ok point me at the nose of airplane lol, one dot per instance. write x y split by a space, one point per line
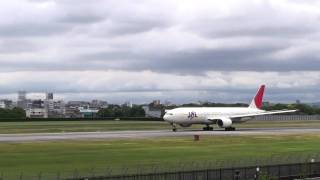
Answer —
166 117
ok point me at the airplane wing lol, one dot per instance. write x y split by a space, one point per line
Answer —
262 113
215 119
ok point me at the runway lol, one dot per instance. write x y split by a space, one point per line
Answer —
149 134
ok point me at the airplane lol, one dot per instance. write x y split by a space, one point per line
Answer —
224 117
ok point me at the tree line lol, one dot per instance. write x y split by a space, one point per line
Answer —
14 113
138 111
302 108
121 111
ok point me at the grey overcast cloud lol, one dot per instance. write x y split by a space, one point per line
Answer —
175 50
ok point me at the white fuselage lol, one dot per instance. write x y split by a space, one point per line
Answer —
202 115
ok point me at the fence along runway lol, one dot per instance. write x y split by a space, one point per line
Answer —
149 134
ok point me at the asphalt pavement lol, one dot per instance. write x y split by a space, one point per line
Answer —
149 134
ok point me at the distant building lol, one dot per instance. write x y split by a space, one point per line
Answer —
36 113
38 103
72 112
49 95
88 113
54 108
35 109
153 109
22 99
6 104
84 109
72 108
152 112
156 102
59 106
79 104
51 108
98 104
22 95
128 104
2 105
49 105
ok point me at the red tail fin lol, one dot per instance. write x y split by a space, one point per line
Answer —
257 100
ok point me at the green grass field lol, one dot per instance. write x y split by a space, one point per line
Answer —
78 126
165 153
95 156
92 126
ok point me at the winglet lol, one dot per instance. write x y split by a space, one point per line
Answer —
257 100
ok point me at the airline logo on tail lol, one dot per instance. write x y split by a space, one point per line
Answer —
257 100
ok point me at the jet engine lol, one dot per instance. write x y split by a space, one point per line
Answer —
224 122
185 125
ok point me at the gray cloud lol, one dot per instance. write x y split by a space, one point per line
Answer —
195 62
131 27
32 29
202 60
163 38
279 31
214 86
9 46
81 18
263 19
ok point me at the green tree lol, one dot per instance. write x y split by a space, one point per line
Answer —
122 111
137 111
106 112
305 109
14 113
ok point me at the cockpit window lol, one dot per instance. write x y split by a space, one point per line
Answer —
170 114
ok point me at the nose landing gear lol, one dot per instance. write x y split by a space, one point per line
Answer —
174 127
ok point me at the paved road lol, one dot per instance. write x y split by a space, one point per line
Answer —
149 134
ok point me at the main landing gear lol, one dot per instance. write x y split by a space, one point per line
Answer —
230 129
208 128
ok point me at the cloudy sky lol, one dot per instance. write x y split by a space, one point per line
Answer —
175 50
